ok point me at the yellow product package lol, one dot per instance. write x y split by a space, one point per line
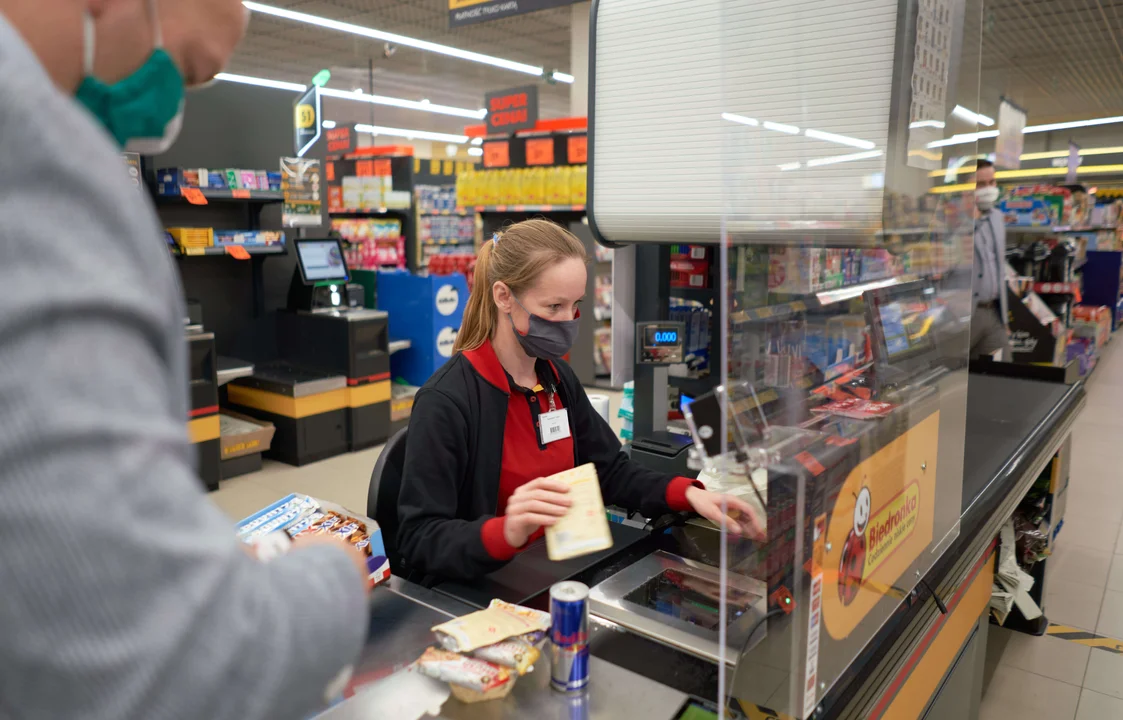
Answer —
487 627
584 529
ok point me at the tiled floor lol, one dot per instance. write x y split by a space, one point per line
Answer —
1052 679
1041 678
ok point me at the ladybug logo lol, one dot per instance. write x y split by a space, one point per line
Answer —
853 563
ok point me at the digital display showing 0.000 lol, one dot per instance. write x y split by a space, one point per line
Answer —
661 336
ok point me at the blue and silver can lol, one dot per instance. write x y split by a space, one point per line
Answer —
569 636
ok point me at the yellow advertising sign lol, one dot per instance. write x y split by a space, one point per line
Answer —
305 116
457 4
881 523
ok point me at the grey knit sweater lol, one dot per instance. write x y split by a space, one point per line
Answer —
123 593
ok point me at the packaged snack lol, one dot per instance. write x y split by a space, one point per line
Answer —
466 695
457 670
584 528
487 627
516 654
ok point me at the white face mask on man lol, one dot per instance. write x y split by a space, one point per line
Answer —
986 197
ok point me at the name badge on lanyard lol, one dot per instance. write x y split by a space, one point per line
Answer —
553 425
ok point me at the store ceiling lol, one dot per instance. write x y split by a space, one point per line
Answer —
285 50
1059 59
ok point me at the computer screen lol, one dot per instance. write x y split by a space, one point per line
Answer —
902 321
321 261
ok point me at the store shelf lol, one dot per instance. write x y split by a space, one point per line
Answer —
773 312
460 212
246 196
529 208
369 212
1051 230
702 295
464 241
221 250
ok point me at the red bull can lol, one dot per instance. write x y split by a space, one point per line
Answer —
569 636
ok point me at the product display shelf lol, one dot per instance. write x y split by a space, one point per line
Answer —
370 212
248 196
527 208
461 212
702 295
223 250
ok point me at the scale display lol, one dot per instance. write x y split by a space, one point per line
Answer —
659 343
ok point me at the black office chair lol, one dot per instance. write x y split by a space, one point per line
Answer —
382 498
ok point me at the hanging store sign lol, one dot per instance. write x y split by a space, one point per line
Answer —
1073 162
1011 136
469 12
340 140
301 186
306 121
511 110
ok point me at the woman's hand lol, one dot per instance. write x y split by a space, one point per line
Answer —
539 503
740 517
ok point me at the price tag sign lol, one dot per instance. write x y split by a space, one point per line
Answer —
540 151
577 149
237 252
241 194
194 196
382 168
497 154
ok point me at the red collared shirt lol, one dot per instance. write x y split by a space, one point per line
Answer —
525 458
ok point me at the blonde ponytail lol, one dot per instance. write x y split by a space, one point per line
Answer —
515 257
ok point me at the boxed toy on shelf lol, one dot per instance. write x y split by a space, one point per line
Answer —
1037 206
171 181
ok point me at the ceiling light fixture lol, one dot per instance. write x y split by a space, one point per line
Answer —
328 124
961 138
408 104
740 119
478 141
261 82
475 151
411 134
971 116
401 40
840 139
562 77
927 123
1074 124
818 162
790 166
781 127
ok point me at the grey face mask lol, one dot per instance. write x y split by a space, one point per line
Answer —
546 339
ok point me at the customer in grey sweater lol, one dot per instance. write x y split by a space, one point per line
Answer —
123 593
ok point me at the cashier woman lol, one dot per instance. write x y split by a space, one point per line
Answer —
123 592
506 412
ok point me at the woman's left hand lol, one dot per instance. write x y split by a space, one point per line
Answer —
740 518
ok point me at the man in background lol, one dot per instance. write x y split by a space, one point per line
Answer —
989 318
125 594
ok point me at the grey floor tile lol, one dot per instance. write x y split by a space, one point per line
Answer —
1105 673
1074 604
1115 575
242 496
1087 532
1048 656
1015 693
1073 563
1094 706
1110 622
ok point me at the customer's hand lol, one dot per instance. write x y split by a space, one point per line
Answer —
740 518
354 554
539 503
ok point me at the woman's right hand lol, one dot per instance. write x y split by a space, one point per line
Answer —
539 503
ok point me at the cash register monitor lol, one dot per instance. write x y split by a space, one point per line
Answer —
902 329
321 261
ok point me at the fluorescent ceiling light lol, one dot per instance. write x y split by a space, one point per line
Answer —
408 104
780 127
790 166
412 134
817 162
475 151
927 123
1074 124
477 141
401 40
832 296
971 116
562 77
740 119
261 82
328 124
840 139
961 138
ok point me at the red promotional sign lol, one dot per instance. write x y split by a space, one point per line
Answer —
340 140
497 154
540 151
511 110
577 149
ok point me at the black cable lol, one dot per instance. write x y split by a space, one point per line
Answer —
774 612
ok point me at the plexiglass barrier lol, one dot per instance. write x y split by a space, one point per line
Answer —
798 142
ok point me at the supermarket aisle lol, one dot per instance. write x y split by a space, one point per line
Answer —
1056 679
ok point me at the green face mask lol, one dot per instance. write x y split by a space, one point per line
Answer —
143 112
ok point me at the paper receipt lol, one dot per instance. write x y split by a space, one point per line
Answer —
584 529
